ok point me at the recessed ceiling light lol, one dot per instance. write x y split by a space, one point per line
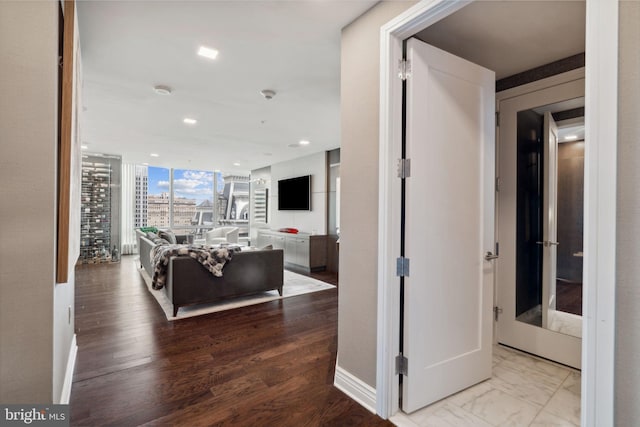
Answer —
162 90
154 155
84 147
208 52
236 164
304 142
571 137
190 121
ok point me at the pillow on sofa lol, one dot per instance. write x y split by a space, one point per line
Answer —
168 235
148 229
157 239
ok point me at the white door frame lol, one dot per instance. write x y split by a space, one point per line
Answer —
601 100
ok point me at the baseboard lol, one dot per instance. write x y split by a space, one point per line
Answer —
65 395
355 388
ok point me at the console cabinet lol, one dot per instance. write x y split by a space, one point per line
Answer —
301 251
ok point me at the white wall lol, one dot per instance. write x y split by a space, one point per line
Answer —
305 221
260 179
360 99
34 341
627 376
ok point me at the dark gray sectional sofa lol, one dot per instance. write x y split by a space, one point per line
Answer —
188 282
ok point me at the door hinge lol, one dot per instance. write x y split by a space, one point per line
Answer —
402 364
402 266
497 184
498 118
404 168
404 69
496 312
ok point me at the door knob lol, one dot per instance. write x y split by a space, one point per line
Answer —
553 243
489 256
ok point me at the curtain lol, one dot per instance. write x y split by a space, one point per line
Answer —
129 243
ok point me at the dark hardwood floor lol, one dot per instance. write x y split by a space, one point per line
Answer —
569 296
270 364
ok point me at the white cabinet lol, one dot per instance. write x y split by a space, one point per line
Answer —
301 251
266 238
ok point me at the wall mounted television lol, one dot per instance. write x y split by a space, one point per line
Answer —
294 194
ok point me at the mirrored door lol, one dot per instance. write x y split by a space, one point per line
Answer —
539 273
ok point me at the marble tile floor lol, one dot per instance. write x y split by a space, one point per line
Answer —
523 391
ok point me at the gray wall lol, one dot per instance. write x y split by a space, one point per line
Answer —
360 81
32 308
627 379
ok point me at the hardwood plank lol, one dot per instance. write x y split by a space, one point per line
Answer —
263 365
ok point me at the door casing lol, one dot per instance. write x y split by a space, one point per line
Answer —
601 101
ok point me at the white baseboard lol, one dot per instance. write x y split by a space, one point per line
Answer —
65 395
355 388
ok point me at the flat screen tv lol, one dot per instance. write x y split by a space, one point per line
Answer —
294 194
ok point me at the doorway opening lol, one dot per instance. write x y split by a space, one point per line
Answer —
423 16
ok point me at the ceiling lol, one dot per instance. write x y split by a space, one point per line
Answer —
511 36
291 47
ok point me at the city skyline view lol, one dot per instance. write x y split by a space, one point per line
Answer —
190 184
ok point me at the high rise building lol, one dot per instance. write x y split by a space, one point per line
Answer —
142 186
158 210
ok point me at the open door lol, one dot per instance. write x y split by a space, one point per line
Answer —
449 225
549 226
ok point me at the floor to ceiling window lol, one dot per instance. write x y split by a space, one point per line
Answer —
190 201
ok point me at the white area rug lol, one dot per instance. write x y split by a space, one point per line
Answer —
294 284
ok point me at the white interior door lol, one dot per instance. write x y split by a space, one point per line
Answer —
549 228
449 225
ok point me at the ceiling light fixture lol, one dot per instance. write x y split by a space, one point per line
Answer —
571 137
268 93
304 142
162 90
208 52
154 155
190 121
236 164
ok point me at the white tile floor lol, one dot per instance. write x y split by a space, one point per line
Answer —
523 391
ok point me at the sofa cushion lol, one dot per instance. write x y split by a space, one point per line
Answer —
168 235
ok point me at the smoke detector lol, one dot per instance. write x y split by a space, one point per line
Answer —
162 90
268 93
